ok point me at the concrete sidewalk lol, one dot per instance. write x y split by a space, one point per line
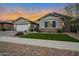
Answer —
44 43
74 35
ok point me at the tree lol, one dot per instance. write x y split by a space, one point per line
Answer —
73 11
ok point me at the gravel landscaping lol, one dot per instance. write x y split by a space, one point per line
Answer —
13 49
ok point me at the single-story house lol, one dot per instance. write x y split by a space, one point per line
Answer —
51 22
6 25
21 24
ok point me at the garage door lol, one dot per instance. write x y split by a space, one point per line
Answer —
21 28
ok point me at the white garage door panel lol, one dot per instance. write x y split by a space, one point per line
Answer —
21 28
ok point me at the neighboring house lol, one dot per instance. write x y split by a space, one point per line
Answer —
6 25
51 22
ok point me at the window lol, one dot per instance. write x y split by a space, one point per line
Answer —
50 24
54 24
46 23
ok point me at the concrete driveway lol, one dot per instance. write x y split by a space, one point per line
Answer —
7 33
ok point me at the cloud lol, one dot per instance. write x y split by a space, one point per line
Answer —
31 14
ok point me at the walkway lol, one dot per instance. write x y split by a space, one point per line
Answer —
74 35
44 43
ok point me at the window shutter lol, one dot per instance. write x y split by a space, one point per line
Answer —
46 24
54 24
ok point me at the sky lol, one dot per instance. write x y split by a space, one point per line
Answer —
31 11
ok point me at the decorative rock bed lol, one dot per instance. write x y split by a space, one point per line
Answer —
13 49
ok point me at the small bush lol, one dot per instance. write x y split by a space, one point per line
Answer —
19 33
73 29
0 29
3 29
59 30
40 30
31 30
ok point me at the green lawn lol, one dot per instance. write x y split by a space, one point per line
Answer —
58 37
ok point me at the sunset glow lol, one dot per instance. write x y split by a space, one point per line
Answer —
28 11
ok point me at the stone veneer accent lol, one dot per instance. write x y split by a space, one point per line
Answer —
52 30
13 49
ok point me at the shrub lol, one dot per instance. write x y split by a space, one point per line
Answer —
3 29
19 33
59 30
0 29
31 29
25 30
73 29
39 30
